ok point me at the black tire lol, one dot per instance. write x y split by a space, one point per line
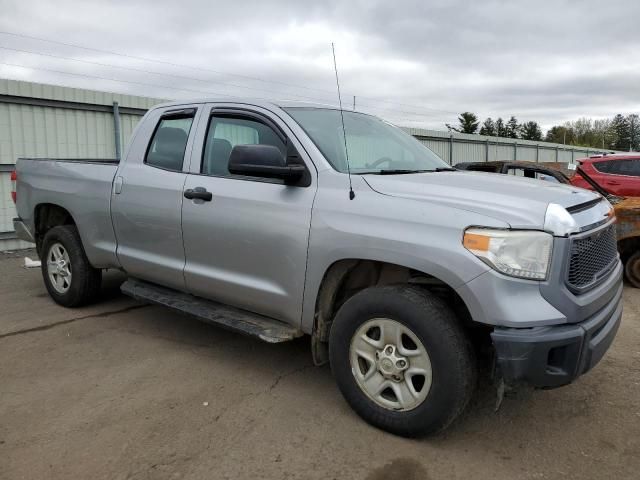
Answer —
632 269
452 357
84 285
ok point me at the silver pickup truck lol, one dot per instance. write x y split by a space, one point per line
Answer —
271 220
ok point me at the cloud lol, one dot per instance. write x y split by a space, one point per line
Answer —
416 63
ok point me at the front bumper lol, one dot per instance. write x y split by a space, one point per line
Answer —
22 231
552 356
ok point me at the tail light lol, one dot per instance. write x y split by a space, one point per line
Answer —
14 178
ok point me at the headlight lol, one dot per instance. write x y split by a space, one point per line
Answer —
518 253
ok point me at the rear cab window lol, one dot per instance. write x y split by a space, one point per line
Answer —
169 141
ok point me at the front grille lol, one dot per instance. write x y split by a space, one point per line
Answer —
591 258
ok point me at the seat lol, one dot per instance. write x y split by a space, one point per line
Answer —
170 144
217 157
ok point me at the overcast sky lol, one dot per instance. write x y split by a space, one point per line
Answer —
416 63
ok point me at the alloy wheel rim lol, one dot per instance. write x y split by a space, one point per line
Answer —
59 268
390 364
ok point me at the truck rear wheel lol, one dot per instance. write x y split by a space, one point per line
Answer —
632 269
401 359
69 277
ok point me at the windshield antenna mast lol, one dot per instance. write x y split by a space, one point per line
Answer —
352 194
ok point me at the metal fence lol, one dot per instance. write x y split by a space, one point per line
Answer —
38 120
459 147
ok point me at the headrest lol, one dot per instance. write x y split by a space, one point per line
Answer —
170 141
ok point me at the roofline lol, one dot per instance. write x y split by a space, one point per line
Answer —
625 155
259 102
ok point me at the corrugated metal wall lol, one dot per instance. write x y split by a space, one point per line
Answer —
459 147
7 212
38 120
32 131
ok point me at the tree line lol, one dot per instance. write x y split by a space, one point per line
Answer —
621 132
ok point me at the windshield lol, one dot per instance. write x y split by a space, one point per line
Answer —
374 146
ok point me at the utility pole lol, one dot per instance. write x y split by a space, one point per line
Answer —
354 103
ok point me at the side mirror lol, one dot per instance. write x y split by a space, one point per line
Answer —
264 161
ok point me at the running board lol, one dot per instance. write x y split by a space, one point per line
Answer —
231 318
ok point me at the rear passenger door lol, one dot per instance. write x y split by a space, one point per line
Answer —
622 177
601 172
147 196
247 245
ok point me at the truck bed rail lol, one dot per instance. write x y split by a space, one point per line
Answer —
103 161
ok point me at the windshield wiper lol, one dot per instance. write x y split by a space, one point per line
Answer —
446 169
397 171
400 171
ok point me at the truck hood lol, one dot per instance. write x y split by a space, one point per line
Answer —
520 202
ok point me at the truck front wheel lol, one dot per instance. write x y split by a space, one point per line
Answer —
401 359
69 277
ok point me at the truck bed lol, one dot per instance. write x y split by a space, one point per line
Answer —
83 188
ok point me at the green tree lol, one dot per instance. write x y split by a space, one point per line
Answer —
467 123
501 129
586 132
582 131
620 125
604 135
560 134
488 128
634 132
530 131
553 134
512 127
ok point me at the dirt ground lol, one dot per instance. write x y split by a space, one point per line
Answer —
121 390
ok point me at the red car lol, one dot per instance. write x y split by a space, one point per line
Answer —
618 173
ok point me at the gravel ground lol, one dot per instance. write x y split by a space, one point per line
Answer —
122 390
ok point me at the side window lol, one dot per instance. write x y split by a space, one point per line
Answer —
225 132
169 141
604 167
628 167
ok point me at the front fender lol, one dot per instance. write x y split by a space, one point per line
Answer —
408 233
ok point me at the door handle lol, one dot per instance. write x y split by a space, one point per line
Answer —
199 193
117 185
611 182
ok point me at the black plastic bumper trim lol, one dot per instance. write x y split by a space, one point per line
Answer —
552 356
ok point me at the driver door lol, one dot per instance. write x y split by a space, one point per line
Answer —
247 246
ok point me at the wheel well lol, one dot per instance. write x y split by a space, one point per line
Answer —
347 277
46 217
628 246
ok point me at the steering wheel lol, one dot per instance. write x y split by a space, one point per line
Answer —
379 162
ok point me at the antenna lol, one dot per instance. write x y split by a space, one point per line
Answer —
352 194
